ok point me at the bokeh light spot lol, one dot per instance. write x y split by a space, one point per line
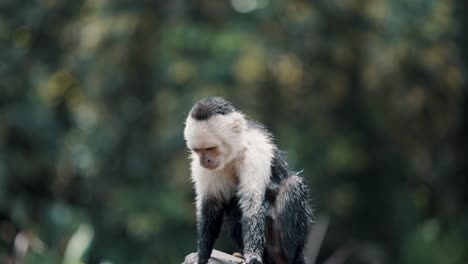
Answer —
244 6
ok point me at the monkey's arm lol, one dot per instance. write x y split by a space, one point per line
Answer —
253 227
209 225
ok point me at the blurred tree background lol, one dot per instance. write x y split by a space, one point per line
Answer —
368 97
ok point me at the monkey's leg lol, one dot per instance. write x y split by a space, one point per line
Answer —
294 218
209 225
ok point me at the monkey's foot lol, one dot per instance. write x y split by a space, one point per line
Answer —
238 255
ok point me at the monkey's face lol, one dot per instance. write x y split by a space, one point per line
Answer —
209 158
215 141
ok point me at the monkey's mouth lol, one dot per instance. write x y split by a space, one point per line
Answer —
210 167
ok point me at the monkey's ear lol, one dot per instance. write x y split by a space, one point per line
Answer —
238 125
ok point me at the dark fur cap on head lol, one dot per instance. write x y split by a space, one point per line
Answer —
210 106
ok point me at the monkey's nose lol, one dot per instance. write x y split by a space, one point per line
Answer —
208 162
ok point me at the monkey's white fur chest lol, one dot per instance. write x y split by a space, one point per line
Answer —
219 184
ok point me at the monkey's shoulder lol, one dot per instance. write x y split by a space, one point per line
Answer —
279 166
280 169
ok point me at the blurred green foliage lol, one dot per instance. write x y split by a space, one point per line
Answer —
368 97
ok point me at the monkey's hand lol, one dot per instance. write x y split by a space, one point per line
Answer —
252 258
238 255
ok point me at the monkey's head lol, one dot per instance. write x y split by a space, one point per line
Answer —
214 132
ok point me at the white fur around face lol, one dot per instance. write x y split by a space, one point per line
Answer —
246 158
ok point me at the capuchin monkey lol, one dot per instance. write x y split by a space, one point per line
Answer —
243 180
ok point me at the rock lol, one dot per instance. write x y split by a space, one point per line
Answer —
217 257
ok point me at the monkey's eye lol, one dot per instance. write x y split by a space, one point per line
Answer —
211 149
